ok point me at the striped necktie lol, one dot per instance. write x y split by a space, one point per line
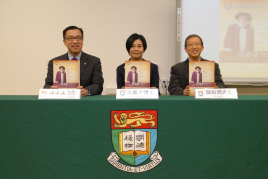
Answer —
74 58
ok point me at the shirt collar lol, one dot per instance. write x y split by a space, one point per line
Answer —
242 25
142 59
192 60
77 57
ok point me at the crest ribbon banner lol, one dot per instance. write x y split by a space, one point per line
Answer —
155 157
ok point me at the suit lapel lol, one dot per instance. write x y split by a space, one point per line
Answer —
83 63
65 57
186 65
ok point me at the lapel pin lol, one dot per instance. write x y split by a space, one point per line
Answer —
85 63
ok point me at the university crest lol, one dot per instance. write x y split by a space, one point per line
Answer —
200 93
122 92
134 138
228 5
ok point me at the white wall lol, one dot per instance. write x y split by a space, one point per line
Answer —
31 34
202 18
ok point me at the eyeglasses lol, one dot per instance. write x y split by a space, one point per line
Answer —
192 45
78 38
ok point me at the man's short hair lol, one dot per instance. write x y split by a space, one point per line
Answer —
131 40
190 36
71 28
62 67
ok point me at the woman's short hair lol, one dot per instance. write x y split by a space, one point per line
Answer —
198 67
247 15
131 40
134 67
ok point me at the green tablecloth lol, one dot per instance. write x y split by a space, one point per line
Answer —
72 138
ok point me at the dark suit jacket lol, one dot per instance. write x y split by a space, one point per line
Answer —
179 78
120 76
90 73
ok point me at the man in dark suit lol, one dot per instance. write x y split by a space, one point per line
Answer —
91 80
179 79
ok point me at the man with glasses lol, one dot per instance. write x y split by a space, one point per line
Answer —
91 79
179 79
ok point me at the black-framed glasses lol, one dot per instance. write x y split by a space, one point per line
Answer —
192 45
71 38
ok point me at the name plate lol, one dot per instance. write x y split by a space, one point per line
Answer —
59 94
137 94
220 93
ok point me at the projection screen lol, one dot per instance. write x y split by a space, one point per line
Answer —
235 35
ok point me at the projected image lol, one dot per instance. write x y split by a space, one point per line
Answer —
239 36
244 39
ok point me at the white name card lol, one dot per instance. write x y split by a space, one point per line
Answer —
59 94
220 93
137 94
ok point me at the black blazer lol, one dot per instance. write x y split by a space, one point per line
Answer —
90 73
120 76
179 78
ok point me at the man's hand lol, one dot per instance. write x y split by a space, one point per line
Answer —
186 91
84 92
215 87
123 87
54 87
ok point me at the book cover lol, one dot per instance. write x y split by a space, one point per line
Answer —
66 73
201 75
137 74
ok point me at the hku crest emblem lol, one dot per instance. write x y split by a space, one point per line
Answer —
200 93
134 138
228 5
122 92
